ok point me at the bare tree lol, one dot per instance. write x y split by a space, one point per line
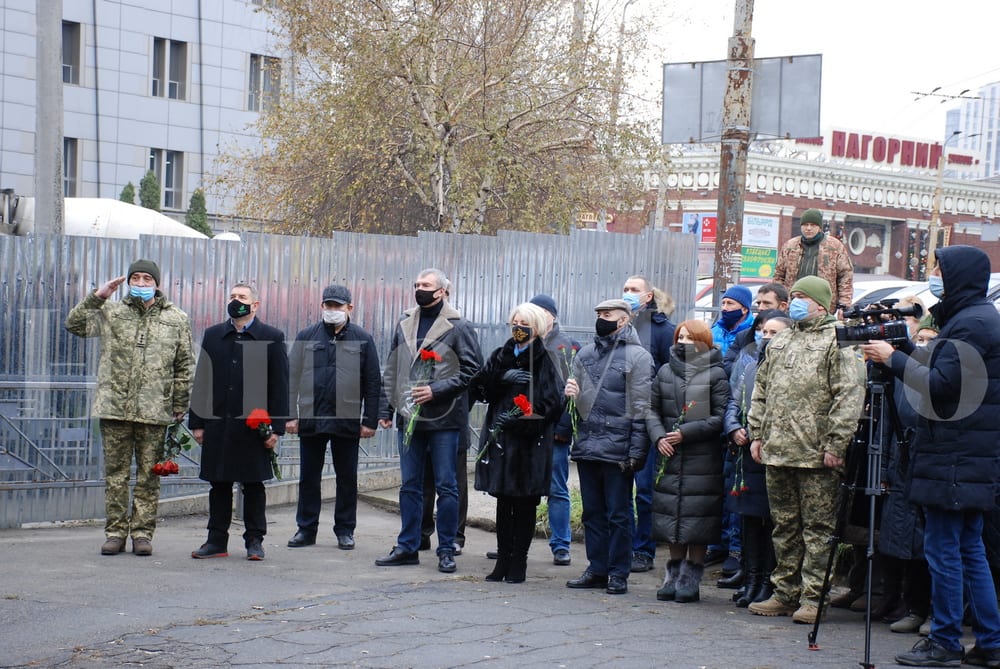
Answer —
451 115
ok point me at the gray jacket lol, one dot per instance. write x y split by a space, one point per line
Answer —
614 374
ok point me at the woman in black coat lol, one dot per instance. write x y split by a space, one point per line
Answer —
689 399
515 446
748 494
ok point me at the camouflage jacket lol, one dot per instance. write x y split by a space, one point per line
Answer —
833 264
807 396
146 361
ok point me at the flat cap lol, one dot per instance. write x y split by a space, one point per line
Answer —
611 305
338 294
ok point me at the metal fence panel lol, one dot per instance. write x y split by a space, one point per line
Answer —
47 375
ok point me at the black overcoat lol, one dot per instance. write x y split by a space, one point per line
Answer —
519 464
238 372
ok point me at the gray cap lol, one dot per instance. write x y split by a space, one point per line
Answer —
338 294
610 305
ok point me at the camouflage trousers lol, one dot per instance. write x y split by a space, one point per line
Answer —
804 509
123 440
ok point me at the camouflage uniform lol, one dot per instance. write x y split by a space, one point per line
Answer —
144 378
832 264
807 399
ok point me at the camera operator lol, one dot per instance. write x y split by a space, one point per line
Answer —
955 462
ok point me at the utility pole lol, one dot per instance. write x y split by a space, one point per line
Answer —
733 154
48 117
935 224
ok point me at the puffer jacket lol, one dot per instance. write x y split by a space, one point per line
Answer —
147 362
750 482
956 446
614 374
808 396
690 394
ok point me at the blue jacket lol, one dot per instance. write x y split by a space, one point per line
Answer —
723 338
956 447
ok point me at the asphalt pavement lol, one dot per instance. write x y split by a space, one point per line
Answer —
62 604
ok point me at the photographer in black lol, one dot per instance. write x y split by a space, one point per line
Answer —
955 461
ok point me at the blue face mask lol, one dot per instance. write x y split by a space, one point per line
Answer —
632 300
798 310
936 285
144 293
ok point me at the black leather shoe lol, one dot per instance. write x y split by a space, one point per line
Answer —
397 558
446 562
641 563
617 585
209 551
345 542
491 555
983 657
302 538
588 580
732 582
255 550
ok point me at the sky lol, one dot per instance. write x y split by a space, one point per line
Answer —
876 53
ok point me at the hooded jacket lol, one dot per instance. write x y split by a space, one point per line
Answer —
955 462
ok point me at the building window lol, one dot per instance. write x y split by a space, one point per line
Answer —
265 82
168 166
169 69
70 52
70 162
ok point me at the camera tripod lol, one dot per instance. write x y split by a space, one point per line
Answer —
863 472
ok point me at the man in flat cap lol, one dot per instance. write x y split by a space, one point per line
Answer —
335 383
143 384
610 385
815 253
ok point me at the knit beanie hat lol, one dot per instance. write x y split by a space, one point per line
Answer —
740 294
816 288
147 266
811 216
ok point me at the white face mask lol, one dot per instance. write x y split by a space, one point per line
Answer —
334 317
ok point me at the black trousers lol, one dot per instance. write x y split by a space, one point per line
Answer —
312 456
220 511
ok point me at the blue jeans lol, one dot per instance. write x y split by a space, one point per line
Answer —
607 517
559 498
956 557
441 446
642 527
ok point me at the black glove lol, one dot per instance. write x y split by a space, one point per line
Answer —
501 421
630 465
516 376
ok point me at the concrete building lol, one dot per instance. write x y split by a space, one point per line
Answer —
147 85
975 125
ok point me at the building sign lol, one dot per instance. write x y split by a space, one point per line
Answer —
760 246
891 151
703 225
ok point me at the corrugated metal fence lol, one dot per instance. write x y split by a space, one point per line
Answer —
50 456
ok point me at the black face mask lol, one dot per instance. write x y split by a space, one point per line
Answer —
603 327
424 297
238 309
520 333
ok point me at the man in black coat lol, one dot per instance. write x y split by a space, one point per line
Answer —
335 391
243 367
955 462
